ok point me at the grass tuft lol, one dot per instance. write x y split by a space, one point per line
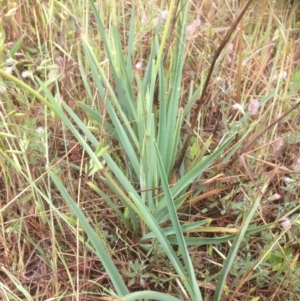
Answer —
132 168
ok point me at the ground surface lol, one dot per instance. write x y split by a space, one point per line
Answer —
46 255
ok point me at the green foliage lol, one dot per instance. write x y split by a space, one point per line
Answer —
131 134
136 272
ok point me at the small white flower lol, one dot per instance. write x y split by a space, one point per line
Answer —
285 223
275 197
26 74
288 180
9 69
253 107
138 66
281 75
162 18
10 62
40 130
144 19
238 107
278 144
191 29
284 74
164 14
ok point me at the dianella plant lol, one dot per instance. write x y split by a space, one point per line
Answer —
146 123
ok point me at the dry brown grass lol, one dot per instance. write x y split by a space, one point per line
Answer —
49 256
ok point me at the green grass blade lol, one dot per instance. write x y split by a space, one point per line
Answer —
234 248
117 62
187 179
122 125
148 295
195 293
98 118
184 228
130 53
203 241
87 86
108 264
17 45
172 137
150 221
